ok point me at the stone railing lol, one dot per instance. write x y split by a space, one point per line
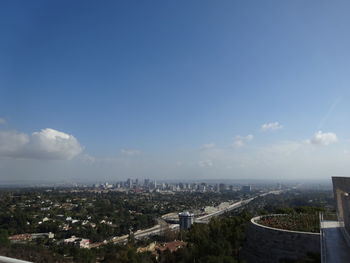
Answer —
269 245
11 260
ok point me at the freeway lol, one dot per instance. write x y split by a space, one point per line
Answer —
139 234
204 219
239 204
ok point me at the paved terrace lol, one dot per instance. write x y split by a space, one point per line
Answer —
334 246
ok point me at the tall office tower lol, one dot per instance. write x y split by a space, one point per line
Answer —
246 189
129 183
146 182
222 187
186 219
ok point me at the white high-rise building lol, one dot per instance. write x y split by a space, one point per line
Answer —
186 219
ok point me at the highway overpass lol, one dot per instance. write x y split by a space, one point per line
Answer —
157 229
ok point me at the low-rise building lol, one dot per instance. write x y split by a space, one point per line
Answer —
77 241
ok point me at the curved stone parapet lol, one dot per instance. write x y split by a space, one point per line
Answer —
270 245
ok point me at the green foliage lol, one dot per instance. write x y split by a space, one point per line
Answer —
32 253
296 201
84 256
125 254
4 238
219 241
294 222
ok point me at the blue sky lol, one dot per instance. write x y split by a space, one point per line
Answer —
143 85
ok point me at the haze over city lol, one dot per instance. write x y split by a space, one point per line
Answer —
175 90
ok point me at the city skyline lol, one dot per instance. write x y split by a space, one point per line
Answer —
185 90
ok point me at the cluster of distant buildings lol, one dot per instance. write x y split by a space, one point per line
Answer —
156 248
73 240
152 185
29 237
77 241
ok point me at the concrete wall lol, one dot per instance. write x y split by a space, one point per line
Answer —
270 245
341 189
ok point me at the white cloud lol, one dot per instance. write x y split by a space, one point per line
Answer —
12 142
240 141
207 146
45 144
323 138
272 126
2 121
205 163
130 152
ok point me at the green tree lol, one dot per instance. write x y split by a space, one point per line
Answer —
4 238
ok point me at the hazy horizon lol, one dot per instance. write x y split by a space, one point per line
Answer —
98 91
300 183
